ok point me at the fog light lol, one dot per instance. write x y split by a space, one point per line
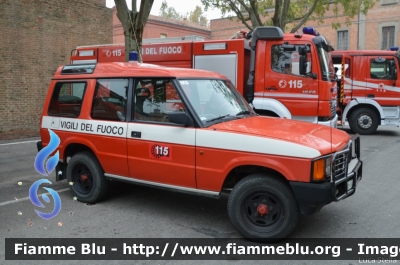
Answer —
349 184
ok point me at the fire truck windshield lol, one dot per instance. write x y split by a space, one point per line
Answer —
215 100
325 61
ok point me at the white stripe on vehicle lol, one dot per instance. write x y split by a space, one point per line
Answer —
99 127
163 133
378 98
254 144
368 85
289 95
184 136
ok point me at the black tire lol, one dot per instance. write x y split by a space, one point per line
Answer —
364 121
259 190
86 174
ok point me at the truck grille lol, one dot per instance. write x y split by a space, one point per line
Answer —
339 166
332 104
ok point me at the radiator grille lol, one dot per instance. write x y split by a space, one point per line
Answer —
333 108
340 165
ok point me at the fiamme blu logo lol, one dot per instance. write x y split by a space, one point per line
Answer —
45 164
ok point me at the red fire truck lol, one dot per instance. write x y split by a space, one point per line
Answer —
283 75
369 88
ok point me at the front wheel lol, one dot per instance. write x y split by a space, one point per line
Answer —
86 176
263 208
364 121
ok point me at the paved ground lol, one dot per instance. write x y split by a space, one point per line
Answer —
139 212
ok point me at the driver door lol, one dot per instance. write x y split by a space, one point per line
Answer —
159 151
283 81
381 86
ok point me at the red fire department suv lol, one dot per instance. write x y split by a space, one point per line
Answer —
191 131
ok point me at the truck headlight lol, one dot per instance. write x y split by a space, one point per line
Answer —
321 169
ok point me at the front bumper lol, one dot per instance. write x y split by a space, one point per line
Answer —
311 197
332 123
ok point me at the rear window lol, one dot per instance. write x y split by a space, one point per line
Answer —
67 99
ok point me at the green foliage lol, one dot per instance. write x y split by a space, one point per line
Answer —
169 12
195 16
293 13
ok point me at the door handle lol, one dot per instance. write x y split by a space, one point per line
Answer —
271 88
370 95
136 134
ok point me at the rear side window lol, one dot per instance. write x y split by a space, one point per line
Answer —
110 98
67 99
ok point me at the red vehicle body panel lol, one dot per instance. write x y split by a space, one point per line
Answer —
299 97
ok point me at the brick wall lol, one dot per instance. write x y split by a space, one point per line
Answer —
37 37
224 28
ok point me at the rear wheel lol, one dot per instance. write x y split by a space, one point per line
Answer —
87 177
263 208
364 121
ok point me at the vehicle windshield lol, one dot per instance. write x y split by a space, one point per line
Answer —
215 100
325 60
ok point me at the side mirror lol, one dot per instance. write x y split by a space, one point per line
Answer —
303 50
181 118
302 65
393 70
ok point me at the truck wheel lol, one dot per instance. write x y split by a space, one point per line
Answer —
364 121
87 177
263 208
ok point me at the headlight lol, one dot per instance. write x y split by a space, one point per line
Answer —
321 169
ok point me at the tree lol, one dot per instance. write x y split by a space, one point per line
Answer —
252 13
169 12
133 23
196 16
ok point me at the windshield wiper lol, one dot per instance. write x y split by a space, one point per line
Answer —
243 112
219 118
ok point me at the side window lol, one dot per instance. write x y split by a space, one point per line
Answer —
154 99
109 101
67 99
347 68
380 68
287 62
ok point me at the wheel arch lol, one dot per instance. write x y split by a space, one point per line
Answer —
268 106
74 148
239 172
362 103
68 150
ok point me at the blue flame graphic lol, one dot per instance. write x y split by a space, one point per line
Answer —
44 153
35 200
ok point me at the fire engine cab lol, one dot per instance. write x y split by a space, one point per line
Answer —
283 75
369 88
190 131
